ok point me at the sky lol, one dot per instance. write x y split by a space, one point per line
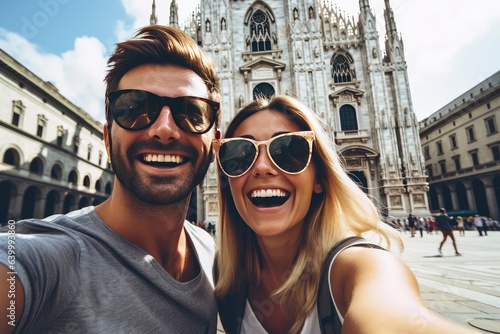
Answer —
450 45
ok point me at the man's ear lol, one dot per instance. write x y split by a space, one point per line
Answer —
106 139
218 135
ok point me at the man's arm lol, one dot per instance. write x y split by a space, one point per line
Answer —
11 300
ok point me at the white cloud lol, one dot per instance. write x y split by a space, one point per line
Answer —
77 73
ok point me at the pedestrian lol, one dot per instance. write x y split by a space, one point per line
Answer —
444 225
432 225
285 200
461 225
420 226
480 225
412 223
132 264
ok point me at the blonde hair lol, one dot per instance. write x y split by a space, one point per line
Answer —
341 210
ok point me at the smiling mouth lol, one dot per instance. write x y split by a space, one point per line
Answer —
163 160
267 198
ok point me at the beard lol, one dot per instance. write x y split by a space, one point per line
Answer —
157 189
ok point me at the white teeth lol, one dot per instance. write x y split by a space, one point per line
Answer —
162 158
268 193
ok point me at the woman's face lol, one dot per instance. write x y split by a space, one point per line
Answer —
270 201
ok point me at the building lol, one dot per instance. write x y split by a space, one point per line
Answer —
52 154
461 146
334 63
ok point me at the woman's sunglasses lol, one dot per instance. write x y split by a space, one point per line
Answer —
134 109
290 153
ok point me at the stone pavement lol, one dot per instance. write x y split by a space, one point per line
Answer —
463 288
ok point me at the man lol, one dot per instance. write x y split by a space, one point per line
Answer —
443 224
132 264
480 224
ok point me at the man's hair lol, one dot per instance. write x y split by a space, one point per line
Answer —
162 45
442 210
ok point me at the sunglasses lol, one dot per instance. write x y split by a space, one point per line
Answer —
290 152
134 109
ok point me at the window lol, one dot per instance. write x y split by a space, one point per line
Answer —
348 119
474 158
100 158
56 172
36 166
495 151
453 141
456 160
429 171
86 181
439 147
11 157
17 113
442 164
263 89
471 136
41 125
341 71
76 145
60 135
491 126
89 151
427 154
260 32
72 177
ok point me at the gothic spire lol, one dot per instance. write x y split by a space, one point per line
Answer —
363 4
174 14
153 19
390 22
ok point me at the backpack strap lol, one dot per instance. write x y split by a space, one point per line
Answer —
328 317
232 307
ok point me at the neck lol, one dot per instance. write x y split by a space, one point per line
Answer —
157 229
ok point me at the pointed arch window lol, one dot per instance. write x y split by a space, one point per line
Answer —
260 32
341 71
348 120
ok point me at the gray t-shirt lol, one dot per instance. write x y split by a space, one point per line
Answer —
79 276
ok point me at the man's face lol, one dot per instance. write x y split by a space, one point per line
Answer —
161 164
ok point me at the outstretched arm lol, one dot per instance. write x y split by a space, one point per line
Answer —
377 293
11 300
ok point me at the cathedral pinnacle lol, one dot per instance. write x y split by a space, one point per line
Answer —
390 22
174 14
153 19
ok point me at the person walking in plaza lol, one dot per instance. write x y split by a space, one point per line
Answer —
480 225
132 264
412 224
284 202
444 225
461 225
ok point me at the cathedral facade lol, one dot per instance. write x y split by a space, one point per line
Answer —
338 67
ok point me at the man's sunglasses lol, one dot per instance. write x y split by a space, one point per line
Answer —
134 109
290 152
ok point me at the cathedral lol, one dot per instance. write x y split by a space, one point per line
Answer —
338 66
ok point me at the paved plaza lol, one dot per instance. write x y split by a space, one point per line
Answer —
463 288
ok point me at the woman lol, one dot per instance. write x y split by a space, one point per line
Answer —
285 200
461 225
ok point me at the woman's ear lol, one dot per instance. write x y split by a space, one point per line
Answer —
318 187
